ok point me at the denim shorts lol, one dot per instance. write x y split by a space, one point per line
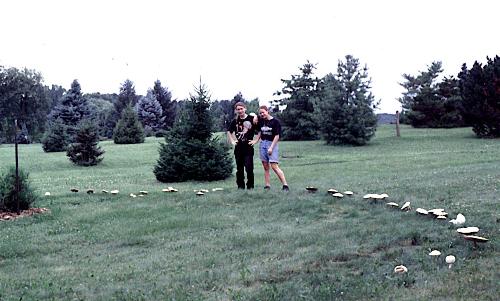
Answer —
264 156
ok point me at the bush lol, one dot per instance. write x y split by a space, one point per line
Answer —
55 139
8 191
128 130
85 151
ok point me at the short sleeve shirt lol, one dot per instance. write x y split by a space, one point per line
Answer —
269 128
244 129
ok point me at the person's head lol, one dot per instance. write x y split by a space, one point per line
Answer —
264 112
240 109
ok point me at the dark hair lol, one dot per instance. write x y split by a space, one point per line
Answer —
264 108
240 104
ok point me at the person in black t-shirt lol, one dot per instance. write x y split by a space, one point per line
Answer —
269 131
240 133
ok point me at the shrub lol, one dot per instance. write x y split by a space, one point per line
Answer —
8 191
55 139
85 151
128 130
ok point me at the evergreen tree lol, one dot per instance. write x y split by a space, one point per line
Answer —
128 130
150 113
480 90
55 138
298 116
345 107
430 103
72 109
126 97
8 198
189 151
85 151
164 97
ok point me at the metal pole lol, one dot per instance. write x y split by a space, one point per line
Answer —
397 124
17 169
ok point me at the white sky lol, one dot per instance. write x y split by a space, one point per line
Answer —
246 46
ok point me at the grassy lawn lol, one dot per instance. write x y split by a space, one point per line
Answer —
239 245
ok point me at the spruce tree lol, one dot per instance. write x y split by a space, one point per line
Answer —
345 109
85 151
164 97
128 130
190 152
55 139
150 113
298 118
71 110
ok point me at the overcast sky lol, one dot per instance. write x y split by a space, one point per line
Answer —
246 46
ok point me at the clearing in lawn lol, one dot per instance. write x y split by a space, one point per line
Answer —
257 245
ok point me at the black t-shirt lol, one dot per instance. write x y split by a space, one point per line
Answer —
244 130
269 128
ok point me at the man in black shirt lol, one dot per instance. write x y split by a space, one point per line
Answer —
240 133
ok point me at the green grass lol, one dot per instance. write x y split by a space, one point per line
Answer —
235 245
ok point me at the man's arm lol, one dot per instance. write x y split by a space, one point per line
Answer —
232 138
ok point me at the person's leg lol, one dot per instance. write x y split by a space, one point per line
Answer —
281 175
240 172
249 170
267 176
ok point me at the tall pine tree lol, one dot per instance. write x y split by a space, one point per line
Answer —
150 113
345 109
164 97
190 152
128 130
298 117
85 151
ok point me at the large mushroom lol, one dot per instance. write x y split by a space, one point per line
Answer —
450 260
400 269
47 193
392 204
348 192
74 189
406 206
338 195
468 230
460 220
312 189
421 211
475 239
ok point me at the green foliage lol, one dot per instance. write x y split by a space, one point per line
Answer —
55 139
189 151
150 113
298 118
26 195
223 111
22 97
429 103
345 107
100 110
85 151
71 110
480 89
128 130
168 106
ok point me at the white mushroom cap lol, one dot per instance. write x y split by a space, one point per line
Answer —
143 192
331 190
217 189
468 230
450 259
348 192
475 238
114 191
47 193
368 196
434 253
133 195
400 269
406 206
338 195
421 211
435 210
392 204
441 217
384 195
200 193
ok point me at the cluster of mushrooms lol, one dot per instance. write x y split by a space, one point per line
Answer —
469 233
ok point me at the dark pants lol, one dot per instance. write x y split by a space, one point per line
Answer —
244 161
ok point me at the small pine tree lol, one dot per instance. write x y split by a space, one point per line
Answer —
150 113
190 152
8 200
85 151
55 138
345 109
128 130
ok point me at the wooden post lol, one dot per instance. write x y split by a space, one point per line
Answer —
397 124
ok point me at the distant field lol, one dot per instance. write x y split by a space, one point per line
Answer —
234 245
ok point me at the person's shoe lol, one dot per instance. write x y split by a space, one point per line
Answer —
267 187
285 188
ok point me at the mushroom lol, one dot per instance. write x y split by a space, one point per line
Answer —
143 192
441 217
440 213
435 210
90 191
450 260
406 206
217 189
311 189
468 230
47 193
114 191
400 269
434 253
459 220
133 195
104 191
392 204
166 190
74 189
204 190
331 190
368 196
200 193
422 211
475 239
348 192
384 195
338 195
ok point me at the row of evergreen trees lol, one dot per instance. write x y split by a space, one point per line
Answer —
469 100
